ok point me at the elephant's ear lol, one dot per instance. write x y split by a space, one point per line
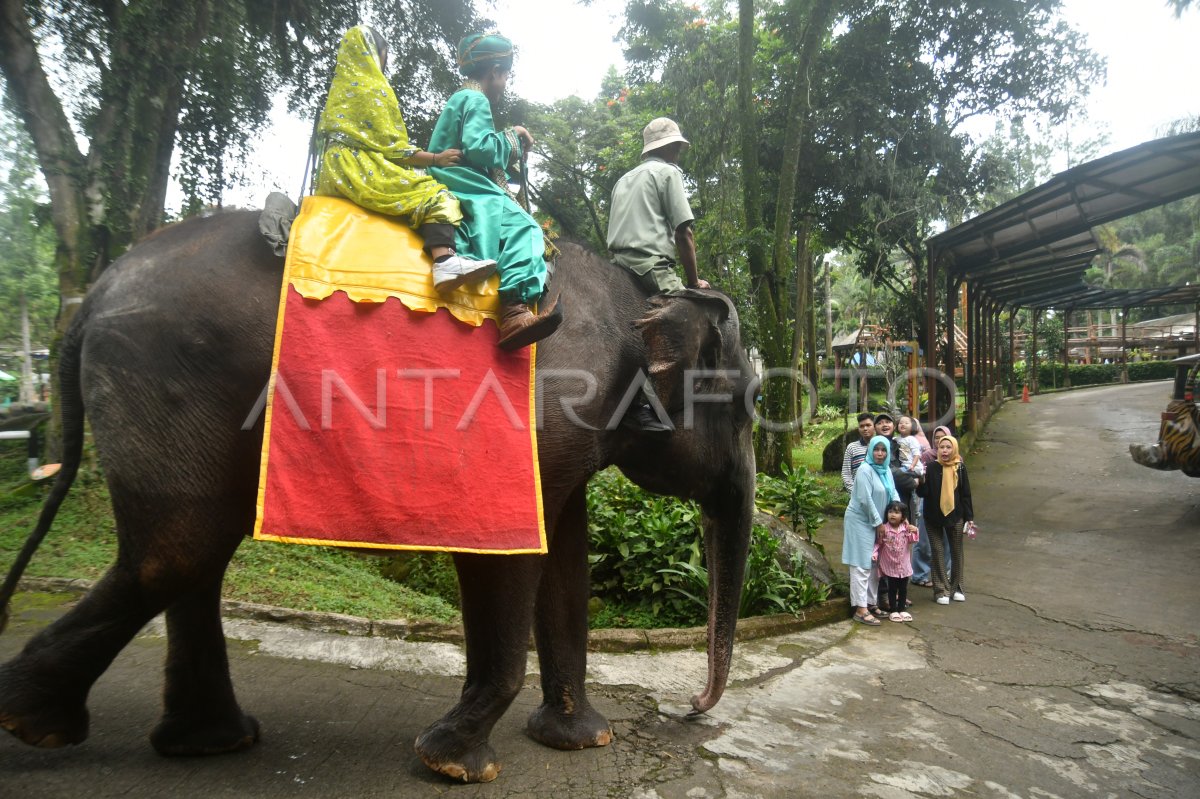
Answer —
682 332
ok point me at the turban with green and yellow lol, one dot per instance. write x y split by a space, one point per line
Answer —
480 51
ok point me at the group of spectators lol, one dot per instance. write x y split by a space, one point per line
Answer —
910 503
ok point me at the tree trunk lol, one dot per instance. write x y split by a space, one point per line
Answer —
26 394
772 447
828 311
100 202
802 402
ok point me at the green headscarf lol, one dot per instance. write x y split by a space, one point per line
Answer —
483 50
362 110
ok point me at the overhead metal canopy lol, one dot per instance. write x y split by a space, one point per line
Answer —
1032 251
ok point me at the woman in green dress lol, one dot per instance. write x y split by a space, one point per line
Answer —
367 158
494 226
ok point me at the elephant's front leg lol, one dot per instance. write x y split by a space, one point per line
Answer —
566 720
497 609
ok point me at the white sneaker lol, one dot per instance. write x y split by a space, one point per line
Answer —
458 270
943 600
959 596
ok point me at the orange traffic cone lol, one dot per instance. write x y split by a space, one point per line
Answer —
1025 393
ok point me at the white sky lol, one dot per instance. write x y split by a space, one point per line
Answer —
1153 73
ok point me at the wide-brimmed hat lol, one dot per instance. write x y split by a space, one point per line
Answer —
659 133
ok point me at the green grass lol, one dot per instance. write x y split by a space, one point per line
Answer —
808 452
82 544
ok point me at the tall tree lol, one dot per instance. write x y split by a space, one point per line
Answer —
27 296
145 81
878 113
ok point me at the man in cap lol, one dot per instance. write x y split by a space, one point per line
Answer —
650 220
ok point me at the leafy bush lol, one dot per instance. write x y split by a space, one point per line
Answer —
827 413
1151 370
1095 374
768 587
827 396
429 573
647 554
634 536
796 497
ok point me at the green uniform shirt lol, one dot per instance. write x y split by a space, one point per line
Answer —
648 204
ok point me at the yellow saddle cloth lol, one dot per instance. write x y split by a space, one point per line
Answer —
336 245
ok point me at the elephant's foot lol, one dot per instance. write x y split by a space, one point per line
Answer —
50 726
580 729
188 737
445 751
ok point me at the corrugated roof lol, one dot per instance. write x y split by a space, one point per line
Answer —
1032 251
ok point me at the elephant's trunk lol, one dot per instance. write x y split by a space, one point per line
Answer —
727 520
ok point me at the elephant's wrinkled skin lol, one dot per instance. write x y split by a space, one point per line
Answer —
173 347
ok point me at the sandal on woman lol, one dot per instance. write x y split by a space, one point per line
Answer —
905 616
867 619
897 617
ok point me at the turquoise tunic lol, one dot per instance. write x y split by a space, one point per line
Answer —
493 225
863 514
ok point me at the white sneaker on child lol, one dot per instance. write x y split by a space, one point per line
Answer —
943 600
959 596
458 270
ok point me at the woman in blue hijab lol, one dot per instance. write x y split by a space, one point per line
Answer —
873 490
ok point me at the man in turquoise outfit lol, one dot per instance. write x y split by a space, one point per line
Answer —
494 226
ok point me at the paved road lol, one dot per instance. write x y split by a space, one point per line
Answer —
1073 669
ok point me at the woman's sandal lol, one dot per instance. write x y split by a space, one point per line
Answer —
866 619
896 617
905 617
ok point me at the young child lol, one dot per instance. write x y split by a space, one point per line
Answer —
495 227
895 557
910 447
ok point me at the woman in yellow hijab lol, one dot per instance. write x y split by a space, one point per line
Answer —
948 507
367 158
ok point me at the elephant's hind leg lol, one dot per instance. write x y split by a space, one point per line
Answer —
565 719
497 608
201 716
44 689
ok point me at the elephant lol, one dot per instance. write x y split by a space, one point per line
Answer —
173 345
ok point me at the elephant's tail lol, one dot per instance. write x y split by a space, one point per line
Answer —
70 402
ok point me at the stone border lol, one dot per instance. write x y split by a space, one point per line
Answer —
609 640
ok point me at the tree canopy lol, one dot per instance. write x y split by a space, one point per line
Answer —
819 125
113 94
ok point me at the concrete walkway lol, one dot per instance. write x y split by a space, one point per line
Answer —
1073 669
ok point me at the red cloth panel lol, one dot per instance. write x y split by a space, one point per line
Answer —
399 429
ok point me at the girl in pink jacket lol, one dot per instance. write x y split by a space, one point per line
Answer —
894 547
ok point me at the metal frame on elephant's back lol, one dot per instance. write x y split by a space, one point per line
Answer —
173 346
